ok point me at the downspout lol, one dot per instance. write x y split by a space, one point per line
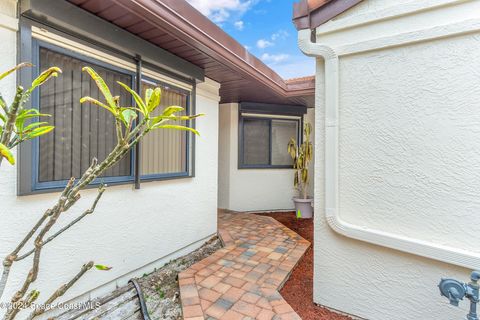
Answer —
138 154
455 256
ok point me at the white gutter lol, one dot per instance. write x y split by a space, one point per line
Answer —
455 256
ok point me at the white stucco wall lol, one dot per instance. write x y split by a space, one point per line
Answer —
134 231
408 155
249 189
8 49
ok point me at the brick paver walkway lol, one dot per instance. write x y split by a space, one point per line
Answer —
241 280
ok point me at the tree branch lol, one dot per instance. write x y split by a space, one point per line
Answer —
101 190
70 195
11 117
61 291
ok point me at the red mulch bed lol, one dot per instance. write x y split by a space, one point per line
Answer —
298 291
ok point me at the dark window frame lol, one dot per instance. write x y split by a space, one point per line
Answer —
189 148
32 185
55 185
269 118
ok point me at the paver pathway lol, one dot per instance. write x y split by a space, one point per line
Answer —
241 280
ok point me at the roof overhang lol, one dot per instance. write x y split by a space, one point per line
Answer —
184 35
63 16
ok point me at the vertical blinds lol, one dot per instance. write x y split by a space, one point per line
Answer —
81 131
164 151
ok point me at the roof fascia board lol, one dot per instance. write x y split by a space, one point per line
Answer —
68 18
268 108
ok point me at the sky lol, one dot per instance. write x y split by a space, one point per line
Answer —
265 28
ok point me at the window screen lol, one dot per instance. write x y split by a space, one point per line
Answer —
263 141
282 132
165 151
256 141
82 131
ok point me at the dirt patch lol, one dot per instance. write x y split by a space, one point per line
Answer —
160 288
298 291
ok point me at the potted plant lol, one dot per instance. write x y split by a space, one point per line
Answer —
302 156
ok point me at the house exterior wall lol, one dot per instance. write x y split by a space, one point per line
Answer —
408 137
249 189
133 231
8 51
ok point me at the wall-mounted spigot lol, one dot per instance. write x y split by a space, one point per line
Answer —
455 291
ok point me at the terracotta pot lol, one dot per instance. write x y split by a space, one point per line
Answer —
303 208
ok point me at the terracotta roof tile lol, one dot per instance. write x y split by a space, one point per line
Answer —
300 79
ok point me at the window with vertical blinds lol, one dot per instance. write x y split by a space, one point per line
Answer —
82 131
164 152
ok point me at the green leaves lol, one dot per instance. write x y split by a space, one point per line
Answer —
171 110
128 116
161 117
299 214
7 154
98 103
102 86
40 131
102 267
34 129
15 126
301 156
292 148
175 127
12 70
138 100
44 76
152 98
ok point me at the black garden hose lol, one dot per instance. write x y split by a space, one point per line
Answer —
141 298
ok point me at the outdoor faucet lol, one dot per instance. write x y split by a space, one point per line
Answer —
455 291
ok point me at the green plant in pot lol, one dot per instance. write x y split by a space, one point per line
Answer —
302 156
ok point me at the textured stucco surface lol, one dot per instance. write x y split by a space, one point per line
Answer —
133 231
8 49
250 189
408 165
410 143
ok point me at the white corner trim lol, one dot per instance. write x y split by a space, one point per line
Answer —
384 15
209 89
429 34
455 256
8 22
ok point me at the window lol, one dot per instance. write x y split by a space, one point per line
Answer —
164 153
263 140
83 131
